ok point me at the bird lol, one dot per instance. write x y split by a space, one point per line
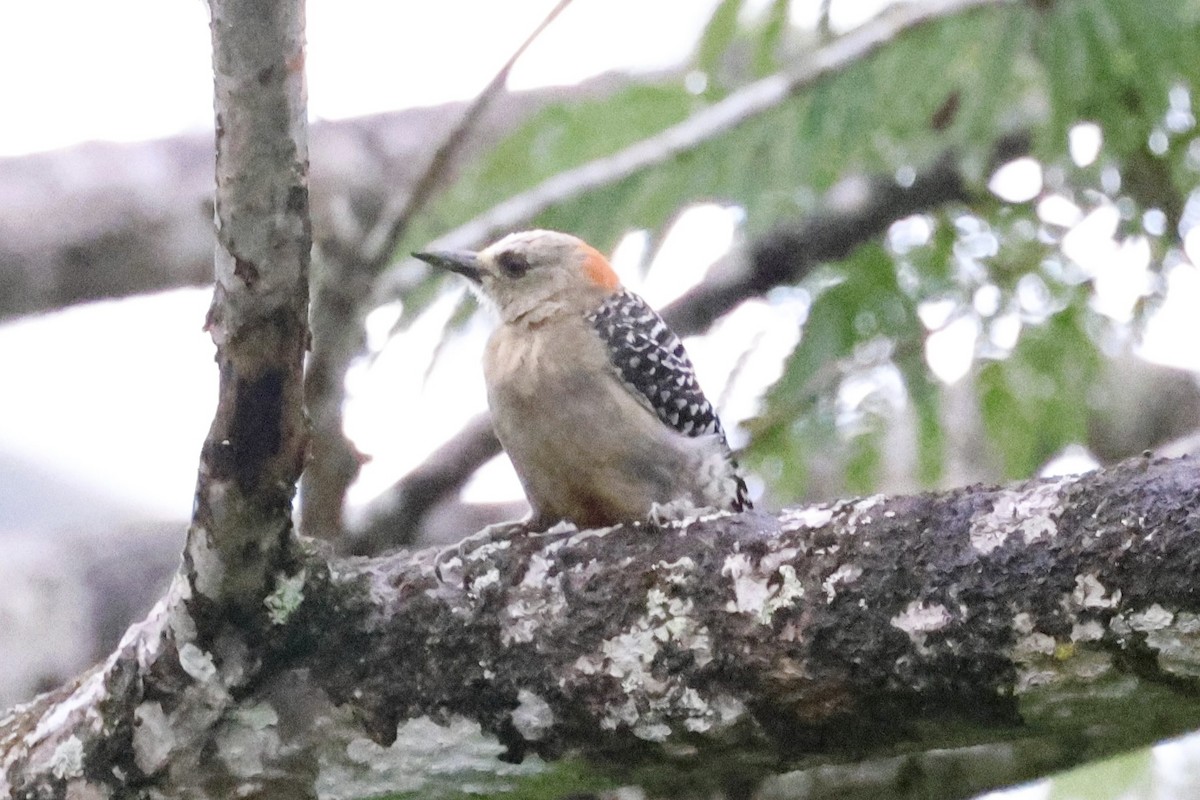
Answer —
593 396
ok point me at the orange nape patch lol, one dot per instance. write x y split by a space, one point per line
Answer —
598 270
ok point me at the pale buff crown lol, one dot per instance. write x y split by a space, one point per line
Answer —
533 275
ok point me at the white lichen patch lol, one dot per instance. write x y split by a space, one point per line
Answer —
536 571
82 701
860 510
711 515
449 569
560 528
1178 645
809 517
630 654
628 657
533 718
580 537
843 575
919 619
206 562
1089 631
986 538
588 664
790 590
625 713
1031 512
197 663
1154 618
750 589
153 737
478 585
683 513
1090 593
287 597
1040 644
257 717
774 559
676 572
762 589
537 600
249 740
175 606
67 759
654 702
652 731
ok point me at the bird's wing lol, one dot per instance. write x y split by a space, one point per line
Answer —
653 364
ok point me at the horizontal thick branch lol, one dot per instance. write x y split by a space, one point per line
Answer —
1062 612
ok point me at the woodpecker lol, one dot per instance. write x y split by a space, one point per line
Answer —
593 397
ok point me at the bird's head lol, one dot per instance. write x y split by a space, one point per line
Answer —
533 275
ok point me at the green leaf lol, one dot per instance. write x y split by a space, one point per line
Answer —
925 395
774 23
1129 776
722 27
1035 402
1113 62
862 302
864 465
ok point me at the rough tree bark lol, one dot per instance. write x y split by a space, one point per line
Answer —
1023 628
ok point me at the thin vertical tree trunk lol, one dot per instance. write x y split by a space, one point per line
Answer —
154 714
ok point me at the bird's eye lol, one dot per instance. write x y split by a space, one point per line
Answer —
512 264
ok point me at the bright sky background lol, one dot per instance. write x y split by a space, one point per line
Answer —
133 69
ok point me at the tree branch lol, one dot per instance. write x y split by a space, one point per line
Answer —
380 245
394 517
104 219
974 618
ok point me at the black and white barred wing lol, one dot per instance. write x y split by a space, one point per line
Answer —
656 369
653 364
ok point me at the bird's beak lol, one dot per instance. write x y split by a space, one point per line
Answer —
464 262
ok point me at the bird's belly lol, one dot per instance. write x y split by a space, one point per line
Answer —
589 454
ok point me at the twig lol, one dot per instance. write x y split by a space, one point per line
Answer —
704 126
381 242
393 518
